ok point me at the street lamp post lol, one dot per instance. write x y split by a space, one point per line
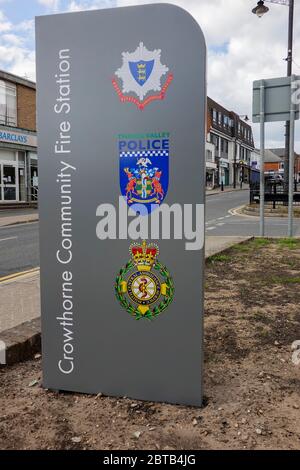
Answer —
260 10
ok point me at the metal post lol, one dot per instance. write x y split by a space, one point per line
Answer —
262 160
289 73
291 162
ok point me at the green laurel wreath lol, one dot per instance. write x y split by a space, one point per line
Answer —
158 309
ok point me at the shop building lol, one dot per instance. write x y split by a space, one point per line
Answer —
18 140
233 143
211 165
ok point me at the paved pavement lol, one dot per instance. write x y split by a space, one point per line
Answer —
20 300
214 245
10 217
227 189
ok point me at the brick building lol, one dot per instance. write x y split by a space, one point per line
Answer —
229 147
18 140
279 168
274 164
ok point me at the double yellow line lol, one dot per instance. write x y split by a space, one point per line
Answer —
18 275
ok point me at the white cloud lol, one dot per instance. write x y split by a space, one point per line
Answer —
13 39
15 56
242 48
23 64
90 4
50 4
5 25
26 26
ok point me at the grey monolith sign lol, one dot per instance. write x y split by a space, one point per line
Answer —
121 142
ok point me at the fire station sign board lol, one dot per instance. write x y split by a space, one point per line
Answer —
121 122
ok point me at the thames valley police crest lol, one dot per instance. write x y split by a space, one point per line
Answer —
144 169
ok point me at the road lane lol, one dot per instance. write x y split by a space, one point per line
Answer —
220 223
19 248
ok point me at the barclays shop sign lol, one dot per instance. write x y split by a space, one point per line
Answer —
12 137
122 273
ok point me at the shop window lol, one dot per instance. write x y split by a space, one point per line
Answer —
214 140
8 104
21 157
209 156
9 194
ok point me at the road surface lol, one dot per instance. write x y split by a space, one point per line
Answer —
19 249
219 222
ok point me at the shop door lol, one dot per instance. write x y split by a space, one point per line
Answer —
226 177
8 182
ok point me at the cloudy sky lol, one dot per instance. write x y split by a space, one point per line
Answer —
241 47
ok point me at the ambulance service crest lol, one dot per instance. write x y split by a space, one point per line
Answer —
142 78
144 287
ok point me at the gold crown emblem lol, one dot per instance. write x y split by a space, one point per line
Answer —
141 66
144 255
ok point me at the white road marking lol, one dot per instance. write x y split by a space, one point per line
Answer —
211 221
220 224
10 238
211 228
4 227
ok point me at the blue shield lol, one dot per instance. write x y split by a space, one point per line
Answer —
141 70
144 172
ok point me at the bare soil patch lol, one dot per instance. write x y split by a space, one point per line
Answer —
252 387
